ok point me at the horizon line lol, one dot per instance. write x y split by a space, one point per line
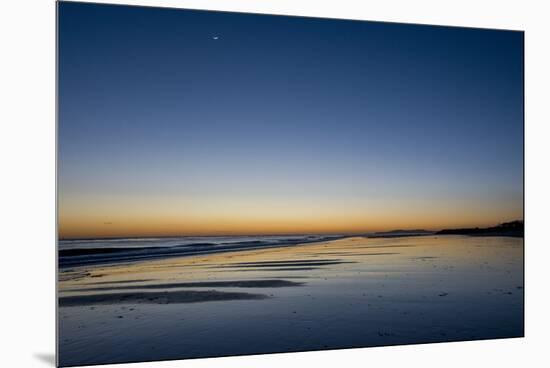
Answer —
355 233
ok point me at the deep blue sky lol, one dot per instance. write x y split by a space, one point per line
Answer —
324 119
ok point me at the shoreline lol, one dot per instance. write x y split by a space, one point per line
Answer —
77 258
365 291
116 255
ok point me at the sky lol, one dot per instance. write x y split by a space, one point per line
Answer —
184 122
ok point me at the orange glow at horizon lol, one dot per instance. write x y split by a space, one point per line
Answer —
163 217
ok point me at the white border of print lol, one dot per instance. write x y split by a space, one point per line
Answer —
27 202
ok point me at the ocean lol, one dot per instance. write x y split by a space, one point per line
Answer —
80 252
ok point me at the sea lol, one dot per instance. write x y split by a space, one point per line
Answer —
82 252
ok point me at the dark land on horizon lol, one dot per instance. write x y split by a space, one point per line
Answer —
512 228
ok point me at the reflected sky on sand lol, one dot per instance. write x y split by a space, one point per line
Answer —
344 293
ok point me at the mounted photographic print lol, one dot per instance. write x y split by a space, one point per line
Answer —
234 183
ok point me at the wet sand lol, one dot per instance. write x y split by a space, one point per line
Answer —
344 293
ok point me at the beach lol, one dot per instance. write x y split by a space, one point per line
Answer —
341 293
